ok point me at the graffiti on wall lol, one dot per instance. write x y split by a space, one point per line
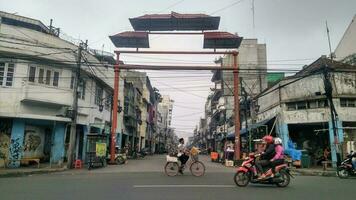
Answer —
34 142
5 133
15 151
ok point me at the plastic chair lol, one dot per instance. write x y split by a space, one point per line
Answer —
77 164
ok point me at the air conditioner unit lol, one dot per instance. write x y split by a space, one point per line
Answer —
65 112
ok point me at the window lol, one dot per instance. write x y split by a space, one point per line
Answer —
72 82
108 101
98 95
48 77
40 76
6 74
301 105
347 102
32 74
2 72
55 79
81 89
312 104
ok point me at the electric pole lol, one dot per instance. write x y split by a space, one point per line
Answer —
73 127
334 116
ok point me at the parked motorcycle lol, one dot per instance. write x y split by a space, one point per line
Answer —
346 169
120 157
247 173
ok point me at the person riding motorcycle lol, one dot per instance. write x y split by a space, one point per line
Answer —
266 156
278 158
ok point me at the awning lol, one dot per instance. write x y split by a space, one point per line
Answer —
244 131
261 123
231 136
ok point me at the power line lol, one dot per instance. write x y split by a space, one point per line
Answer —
227 6
171 6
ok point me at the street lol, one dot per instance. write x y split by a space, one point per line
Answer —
144 179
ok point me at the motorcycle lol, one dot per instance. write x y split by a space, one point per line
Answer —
346 169
120 157
247 173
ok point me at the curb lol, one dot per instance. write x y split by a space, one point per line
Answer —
314 173
27 173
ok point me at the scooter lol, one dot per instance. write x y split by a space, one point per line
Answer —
346 169
120 158
247 173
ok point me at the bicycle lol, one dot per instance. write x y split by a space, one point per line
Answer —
196 167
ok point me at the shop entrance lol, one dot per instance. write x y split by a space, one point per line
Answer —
312 139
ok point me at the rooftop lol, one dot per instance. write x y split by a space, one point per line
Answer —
175 21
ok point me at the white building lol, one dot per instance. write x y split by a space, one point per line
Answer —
164 119
36 90
346 46
252 56
302 111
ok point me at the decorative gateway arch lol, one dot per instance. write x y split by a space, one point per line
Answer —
176 24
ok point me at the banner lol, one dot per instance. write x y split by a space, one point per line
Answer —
100 149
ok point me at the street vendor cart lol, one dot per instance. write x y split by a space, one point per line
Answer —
96 150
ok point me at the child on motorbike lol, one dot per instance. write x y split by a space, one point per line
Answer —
278 158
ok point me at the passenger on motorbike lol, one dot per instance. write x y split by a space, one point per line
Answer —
267 155
278 158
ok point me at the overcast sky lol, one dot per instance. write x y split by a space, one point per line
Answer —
291 29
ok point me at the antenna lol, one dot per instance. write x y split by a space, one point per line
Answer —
328 33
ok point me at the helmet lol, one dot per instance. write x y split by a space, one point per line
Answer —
277 140
268 139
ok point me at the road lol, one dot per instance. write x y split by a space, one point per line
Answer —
144 179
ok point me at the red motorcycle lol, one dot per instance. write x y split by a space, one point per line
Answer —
247 173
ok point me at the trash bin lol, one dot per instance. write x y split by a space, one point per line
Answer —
305 161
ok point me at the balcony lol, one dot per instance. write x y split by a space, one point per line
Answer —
46 95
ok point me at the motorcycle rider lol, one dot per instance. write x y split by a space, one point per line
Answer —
353 160
266 156
278 158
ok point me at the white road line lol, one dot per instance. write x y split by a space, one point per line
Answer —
184 186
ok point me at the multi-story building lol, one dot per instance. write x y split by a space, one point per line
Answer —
346 50
165 108
37 76
300 107
252 57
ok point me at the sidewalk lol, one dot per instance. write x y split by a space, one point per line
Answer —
25 171
314 172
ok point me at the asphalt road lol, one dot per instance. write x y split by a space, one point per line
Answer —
127 182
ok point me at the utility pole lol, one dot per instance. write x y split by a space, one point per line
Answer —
73 127
334 116
245 105
236 108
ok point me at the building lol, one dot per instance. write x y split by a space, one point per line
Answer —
252 57
164 108
346 50
37 76
299 108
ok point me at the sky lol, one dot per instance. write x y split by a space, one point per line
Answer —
291 30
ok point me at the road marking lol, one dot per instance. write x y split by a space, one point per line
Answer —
184 186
